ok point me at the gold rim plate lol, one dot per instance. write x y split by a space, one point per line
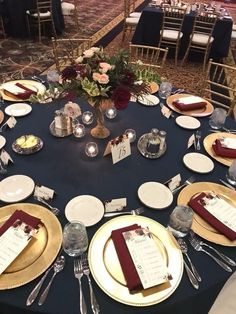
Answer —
41 251
106 270
210 139
1 116
36 86
200 226
193 113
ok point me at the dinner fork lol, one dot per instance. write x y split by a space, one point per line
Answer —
2 169
186 182
224 257
86 271
197 246
78 272
136 211
54 210
198 136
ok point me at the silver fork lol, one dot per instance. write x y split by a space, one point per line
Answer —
224 257
2 169
136 211
186 182
195 244
78 272
198 136
54 210
86 271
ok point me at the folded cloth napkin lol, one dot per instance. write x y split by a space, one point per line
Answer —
223 151
21 215
20 91
189 103
126 262
197 206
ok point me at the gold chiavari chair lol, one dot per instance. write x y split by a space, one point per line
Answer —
170 34
220 85
130 18
201 37
65 50
150 57
41 15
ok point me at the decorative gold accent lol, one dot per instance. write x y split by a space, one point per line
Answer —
200 226
106 270
41 251
100 131
193 113
210 139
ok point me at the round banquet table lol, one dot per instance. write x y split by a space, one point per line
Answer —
63 166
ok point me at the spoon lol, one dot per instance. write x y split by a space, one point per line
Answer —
58 266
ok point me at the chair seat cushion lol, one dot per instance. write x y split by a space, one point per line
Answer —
234 27
67 8
41 14
201 39
132 20
233 34
135 14
171 34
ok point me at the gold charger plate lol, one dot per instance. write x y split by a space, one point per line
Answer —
210 139
1 116
106 270
193 113
35 86
41 251
153 87
200 226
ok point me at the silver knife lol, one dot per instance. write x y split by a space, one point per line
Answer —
227 184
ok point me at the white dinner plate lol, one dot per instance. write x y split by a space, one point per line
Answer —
198 162
85 208
18 109
2 141
155 195
188 122
16 188
148 100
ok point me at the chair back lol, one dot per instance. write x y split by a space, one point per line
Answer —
65 50
44 5
150 57
129 6
220 85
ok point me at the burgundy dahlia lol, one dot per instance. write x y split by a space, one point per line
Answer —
121 97
69 73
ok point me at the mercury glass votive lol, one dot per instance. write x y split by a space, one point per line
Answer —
78 130
111 113
87 117
131 134
91 149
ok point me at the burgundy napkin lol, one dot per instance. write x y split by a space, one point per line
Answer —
187 107
223 151
208 217
23 216
25 95
126 262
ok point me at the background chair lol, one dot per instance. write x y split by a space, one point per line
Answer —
71 8
131 19
220 85
170 34
201 37
151 57
2 28
65 51
40 16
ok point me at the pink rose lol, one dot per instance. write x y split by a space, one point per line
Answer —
103 79
96 76
105 67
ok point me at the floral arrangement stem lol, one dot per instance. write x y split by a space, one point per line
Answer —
100 131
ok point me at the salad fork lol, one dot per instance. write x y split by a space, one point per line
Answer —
186 182
54 210
198 136
78 272
86 271
136 211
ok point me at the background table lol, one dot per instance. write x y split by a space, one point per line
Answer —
15 16
63 166
148 32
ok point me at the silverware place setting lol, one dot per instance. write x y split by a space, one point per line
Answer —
227 184
78 272
137 211
186 182
198 136
54 210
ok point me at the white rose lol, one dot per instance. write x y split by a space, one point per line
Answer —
95 49
79 59
88 53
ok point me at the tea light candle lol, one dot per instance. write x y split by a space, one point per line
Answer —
91 149
131 134
111 113
79 130
87 117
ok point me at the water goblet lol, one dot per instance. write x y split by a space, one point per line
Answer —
217 118
180 221
231 173
75 239
165 90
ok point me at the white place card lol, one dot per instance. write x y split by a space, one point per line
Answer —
146 257
192 141
221 209
115 205
228 142
13 242
43 192
5 157
174 182
11 122
166 112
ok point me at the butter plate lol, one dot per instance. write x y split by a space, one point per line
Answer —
18 109
198 162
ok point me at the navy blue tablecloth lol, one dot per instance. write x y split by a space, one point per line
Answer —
63 166
148 32
15 16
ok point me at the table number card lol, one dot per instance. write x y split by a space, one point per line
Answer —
13 242
147 258
192 141
11 122
43 192
119 148
5 157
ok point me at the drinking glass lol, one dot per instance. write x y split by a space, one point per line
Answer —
75 239
180 221
217 118
53 76
231 173
165 90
